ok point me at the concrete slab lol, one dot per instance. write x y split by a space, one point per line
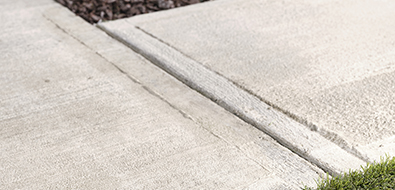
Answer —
328 64
75 114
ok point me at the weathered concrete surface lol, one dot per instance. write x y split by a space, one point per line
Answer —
293 135
329 64
79 110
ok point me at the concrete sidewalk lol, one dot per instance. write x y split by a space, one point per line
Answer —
79 110
328 65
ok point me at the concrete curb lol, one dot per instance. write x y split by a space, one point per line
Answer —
286 170
291 134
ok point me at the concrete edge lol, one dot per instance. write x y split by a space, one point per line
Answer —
368 153
249 140
288 132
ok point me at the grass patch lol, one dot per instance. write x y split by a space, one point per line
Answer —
379 175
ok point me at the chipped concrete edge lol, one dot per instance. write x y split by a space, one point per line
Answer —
306 143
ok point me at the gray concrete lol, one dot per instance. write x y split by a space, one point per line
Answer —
328 64
79 110
285 130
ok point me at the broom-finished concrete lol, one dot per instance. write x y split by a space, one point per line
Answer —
79 110
327 64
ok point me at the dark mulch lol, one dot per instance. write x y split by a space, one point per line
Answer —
95 10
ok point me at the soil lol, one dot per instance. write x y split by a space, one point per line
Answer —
94 11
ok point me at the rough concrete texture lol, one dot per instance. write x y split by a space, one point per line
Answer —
329 64
71 119
293 135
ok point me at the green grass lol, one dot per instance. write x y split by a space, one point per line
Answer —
379 175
